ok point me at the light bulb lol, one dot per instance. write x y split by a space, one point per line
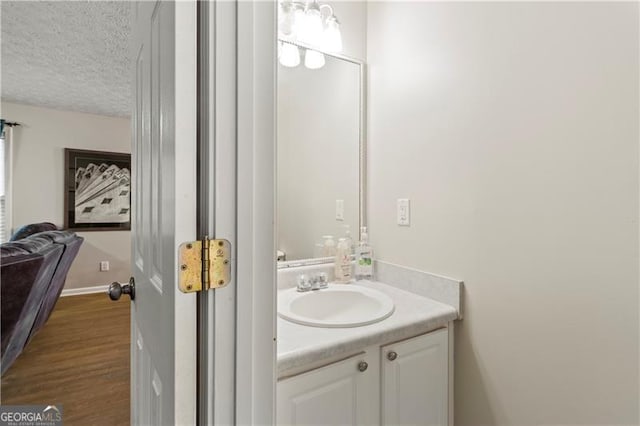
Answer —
285 19
332 40
289 55
298 21
312 26
313 60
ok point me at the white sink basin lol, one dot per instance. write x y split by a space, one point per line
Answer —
339 305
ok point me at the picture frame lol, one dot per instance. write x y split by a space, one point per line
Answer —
97 190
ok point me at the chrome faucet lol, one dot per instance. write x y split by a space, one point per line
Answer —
303 283
315 282
322 281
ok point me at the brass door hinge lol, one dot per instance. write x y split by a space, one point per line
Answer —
204 265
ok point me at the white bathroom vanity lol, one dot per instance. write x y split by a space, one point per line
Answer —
398 370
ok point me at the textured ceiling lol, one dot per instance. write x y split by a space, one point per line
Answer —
71 55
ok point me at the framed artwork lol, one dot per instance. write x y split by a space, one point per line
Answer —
97 190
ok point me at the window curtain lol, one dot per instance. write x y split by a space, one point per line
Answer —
6 156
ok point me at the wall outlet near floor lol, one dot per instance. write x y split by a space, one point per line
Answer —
404 212
104 266
339 209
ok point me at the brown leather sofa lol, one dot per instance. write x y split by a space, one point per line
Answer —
33 269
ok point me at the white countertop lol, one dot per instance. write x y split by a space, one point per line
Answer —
300 345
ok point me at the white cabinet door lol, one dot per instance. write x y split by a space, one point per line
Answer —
414 381
337 394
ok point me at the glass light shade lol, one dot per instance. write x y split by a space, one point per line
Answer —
313 60
298 19
285 19
312 28
332 39
289 55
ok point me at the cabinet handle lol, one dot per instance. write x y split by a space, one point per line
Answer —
391 356
362 366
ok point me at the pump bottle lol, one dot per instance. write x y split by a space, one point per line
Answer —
364 257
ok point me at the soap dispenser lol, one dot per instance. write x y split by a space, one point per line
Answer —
329 246
364 256
343 262
347 236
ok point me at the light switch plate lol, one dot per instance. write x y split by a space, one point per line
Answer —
104 265
404 212
339 209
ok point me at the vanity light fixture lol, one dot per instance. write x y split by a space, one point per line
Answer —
312 28
286 20
299 19
289 55
313 59
332 37
306 23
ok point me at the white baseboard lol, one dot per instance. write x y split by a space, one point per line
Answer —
84 290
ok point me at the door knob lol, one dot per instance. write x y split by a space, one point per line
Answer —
391 356
362 366
116 290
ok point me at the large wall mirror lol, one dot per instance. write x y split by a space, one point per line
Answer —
320 186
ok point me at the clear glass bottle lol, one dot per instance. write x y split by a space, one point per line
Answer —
329 246
364 257
347 236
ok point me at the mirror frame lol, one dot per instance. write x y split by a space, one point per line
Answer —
362 153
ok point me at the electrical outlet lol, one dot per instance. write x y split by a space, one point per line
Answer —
339 209
404 212
104 266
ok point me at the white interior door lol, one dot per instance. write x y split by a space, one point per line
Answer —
239 376
163 329
240 125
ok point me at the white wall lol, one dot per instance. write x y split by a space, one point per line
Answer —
353 27
38 181
513 129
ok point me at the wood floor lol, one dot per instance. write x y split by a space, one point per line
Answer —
79 359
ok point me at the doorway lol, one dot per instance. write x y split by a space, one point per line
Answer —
66 85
